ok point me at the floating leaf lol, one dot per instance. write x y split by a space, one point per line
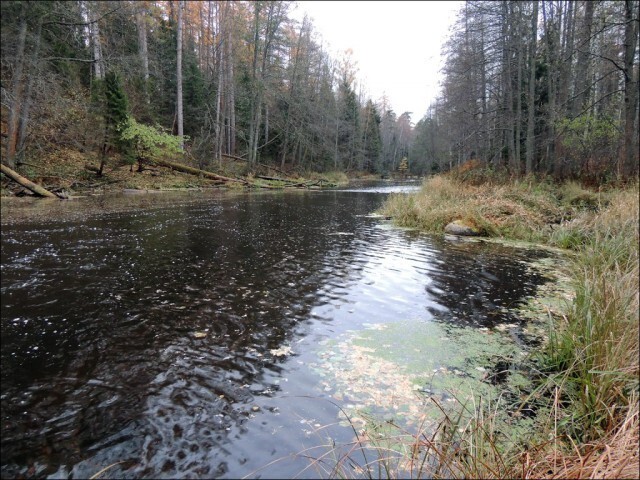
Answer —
282 351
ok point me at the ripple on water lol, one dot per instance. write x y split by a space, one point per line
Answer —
101 364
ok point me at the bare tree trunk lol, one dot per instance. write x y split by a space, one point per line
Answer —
255 104
630 90
266 123
565 73
202 34
335 154
532 91
141 15
583 83
231 97
483 95
518 120
292 85
552 26
17 91
508 88
32 75
218 126
98 61
179 75
218 129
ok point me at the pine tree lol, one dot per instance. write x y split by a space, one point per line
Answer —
404 166
115 110
372 143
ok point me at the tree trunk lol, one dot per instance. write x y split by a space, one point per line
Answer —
630 90
335 154
552 26
179 75
17 89
508 87
231 97
218 127
26 183
292 86
583 83
518 119
532 91
33 72
255 103
483 95
98 62
565 73
266 123
143 52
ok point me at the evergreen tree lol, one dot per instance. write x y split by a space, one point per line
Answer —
194 94
115 110
372 143
349 125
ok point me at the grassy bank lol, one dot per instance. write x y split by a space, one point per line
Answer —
588 370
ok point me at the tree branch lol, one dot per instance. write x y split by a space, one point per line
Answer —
70 59
82 24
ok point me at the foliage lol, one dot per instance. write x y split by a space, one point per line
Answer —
111 101
116 103
404 166
587 136
372 143
149 142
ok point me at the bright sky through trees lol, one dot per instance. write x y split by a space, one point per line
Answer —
396 45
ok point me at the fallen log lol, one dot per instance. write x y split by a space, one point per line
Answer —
233 157
290 183
307 184
271 167
195 171
28 184
275 179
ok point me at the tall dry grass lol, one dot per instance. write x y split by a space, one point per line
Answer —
595 350
518 209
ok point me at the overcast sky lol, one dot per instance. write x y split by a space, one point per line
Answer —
396 45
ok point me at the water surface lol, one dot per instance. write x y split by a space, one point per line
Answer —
196 335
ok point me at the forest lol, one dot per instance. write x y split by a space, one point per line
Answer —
548 87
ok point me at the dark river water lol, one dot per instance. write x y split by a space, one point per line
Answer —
183 338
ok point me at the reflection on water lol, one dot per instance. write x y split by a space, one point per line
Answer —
178 339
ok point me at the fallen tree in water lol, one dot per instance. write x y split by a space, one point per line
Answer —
214 176
28 184
295 183
196 171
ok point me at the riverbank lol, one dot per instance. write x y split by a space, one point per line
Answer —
588 370
72 173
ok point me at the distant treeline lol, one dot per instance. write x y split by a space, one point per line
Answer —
533 86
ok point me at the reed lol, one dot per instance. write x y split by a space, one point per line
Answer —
596 347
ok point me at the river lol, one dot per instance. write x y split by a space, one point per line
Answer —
200 335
